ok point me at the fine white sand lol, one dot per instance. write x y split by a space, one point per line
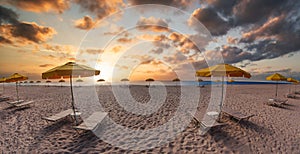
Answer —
272 130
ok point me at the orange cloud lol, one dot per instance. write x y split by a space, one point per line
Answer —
86 23
152 24
25 33
57 6
116 49
262 32
125 40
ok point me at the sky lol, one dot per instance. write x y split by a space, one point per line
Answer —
140 39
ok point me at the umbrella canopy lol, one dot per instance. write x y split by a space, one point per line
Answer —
176 80
69 70
48 81
292 80
149 79
61 80
100 80
31 82
223 70
276 77
38 81
15 78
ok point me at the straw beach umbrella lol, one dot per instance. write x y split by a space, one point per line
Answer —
149 80
276 77
100 80
223 70
176 80
79 80
15 78
70 70
61 81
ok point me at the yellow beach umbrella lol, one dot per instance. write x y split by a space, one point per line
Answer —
2 80
276 77
70 70
15 78
293 81
222 70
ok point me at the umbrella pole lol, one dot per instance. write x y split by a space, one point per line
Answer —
4 89
276 88
73 106
221 104
17 91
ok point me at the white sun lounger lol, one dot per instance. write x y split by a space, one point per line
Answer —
92 121
276 102
23 104
236 114
206 124
15 102
59 116
291 96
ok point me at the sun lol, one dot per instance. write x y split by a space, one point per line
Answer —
106 71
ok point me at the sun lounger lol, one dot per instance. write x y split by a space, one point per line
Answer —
297 92
59 116
276 102
15 102
92 121
236 114
206 124
291 96
4 99
24 104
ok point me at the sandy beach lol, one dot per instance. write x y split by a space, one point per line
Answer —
271 130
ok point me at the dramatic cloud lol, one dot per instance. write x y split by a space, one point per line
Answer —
86 23
224 7
101 8
251 11
14 31
211 20
26 33
57 6
177 3
8 16
152 24
270 28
